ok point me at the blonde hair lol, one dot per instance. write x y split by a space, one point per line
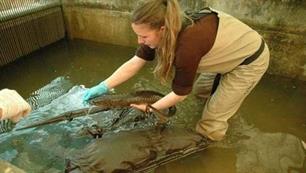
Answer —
158 13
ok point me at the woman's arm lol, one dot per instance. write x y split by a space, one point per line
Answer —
125 72
165 102
169 100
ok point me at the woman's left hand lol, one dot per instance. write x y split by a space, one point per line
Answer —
141 107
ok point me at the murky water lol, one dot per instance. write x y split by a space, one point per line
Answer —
264 136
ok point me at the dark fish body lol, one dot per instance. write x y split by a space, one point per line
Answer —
124 100
6 126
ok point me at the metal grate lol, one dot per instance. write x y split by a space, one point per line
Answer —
27 25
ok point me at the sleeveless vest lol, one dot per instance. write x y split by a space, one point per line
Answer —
235 41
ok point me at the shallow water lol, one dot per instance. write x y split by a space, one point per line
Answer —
264 136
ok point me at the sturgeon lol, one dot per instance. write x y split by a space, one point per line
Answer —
112 101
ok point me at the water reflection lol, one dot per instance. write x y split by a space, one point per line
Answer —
276 152
46 94
268 152
44 149
246 149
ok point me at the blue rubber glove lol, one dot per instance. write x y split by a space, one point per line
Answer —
95 91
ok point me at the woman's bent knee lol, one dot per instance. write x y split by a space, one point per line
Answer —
213 130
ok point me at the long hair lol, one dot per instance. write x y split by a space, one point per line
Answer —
158 13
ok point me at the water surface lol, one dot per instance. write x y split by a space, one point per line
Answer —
264 136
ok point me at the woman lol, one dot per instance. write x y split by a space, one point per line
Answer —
213 42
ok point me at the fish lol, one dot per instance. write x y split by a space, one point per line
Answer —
112 101
124 100
148 97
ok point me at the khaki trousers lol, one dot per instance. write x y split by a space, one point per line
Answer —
233 88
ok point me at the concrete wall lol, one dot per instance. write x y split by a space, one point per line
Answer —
105 21
281 22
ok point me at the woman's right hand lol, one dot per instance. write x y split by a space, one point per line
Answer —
123 73
95 91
